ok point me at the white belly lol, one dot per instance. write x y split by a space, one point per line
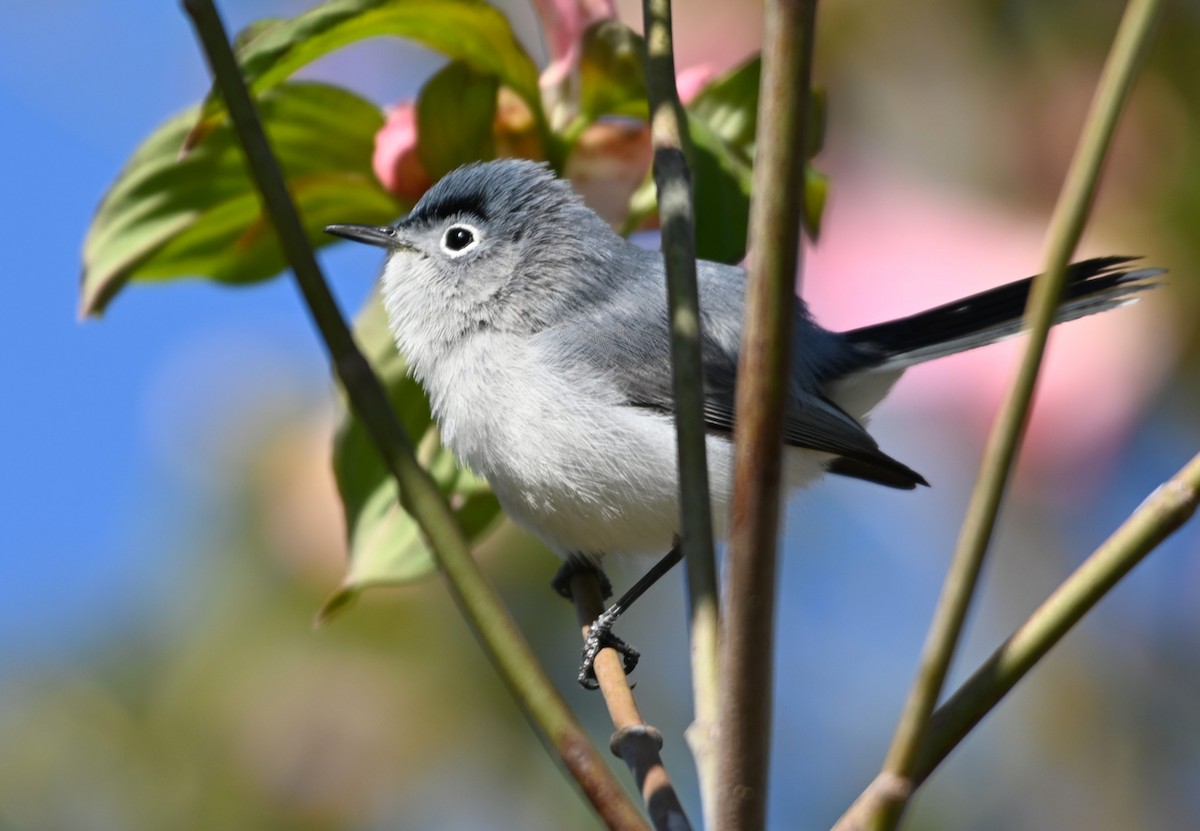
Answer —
568 461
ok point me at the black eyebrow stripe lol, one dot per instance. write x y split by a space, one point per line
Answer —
454 205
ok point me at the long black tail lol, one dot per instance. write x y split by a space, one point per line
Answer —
1092 286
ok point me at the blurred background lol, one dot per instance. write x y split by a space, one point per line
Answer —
169 525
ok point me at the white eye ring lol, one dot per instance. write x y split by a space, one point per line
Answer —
460 238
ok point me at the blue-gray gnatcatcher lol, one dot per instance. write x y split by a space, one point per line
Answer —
542 339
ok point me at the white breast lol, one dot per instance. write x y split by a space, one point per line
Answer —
567 459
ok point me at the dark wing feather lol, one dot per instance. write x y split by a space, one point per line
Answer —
625 337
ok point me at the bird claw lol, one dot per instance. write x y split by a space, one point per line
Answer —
599 637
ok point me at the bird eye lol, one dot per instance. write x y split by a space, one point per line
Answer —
459 239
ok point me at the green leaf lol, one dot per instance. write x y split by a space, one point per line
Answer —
386 545
466 30
455 111
817 117
722 176
612 77
728 106
721 190
816 192
722 124
721 120
199 215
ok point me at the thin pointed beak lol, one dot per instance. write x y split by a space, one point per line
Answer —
382 236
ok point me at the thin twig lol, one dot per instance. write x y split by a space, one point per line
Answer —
1066 226
420 496
1160 515
775 219
635 742
671 143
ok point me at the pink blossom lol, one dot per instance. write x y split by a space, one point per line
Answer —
564 22
693 79
395 161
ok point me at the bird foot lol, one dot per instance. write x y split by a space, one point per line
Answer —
599 637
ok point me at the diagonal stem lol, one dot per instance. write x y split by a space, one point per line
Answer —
1066 226
635 742
1159 516
420 495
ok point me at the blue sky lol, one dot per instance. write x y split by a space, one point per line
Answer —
90 495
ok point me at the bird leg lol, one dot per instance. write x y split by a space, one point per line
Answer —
600 633
561 582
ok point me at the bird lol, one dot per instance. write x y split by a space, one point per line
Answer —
542 339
